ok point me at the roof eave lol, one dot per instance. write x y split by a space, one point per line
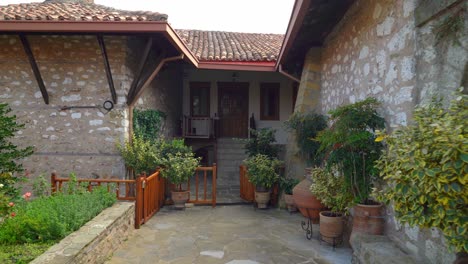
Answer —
295 22
264 66
94 27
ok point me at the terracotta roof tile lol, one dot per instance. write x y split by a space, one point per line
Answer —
56 10
231 46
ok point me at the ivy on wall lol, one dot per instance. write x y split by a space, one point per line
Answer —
148 123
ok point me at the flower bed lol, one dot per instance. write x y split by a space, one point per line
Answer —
32 226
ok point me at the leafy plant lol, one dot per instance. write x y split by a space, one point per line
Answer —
287 184
179 167
54 217
23 253
147 124
40 186
349 145
139 155
426 172
261 142
306 127
330 189
9 152
262 170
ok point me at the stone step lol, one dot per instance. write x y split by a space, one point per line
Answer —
239 151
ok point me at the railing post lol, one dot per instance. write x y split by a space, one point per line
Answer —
53 182
213 185
138 202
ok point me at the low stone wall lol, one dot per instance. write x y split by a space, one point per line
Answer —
95 241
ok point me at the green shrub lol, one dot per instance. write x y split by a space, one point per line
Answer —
262 170
306 128
179 167
330 189
287 184
54 217
425 168
23 253
148 123
349 145
261 142
139 155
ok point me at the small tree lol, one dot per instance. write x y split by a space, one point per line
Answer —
261 142
9 152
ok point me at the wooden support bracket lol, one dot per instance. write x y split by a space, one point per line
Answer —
107 67
35 68
141 66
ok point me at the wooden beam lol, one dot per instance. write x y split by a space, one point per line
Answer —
102 45
131 100
37 73
141 67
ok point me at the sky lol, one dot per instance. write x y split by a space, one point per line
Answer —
253 16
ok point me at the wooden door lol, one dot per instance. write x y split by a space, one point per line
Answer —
233 107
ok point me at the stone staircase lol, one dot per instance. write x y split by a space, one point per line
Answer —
230 154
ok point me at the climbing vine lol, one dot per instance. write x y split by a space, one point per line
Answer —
148 123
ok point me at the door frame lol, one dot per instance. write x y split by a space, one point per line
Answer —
242 88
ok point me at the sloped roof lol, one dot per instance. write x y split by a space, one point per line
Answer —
56 10
232 46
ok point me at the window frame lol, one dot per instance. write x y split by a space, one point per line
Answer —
200 85
275 88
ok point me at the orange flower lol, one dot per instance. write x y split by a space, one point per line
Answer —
27 195
11 204
13 214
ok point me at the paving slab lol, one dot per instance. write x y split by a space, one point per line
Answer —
236 234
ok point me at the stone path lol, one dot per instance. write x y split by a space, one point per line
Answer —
226 234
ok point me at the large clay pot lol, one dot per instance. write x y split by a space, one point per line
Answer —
289 200
368 219
331 227
180 198
306 202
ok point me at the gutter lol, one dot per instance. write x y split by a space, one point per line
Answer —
290 76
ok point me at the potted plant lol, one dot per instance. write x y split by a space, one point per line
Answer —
287 185
425 170
330 188
178 168
306 126
262 172
349 147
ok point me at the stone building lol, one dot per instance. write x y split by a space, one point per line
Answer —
397 51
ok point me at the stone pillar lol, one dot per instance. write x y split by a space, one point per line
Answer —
308 99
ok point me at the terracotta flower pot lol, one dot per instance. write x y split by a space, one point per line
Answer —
289 200
180 198
331 227
306 202
368 219
262 199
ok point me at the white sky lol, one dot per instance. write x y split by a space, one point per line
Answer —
254 16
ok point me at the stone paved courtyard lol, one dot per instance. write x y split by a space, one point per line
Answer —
227 234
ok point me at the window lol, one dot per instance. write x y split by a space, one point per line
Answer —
200 99
269 101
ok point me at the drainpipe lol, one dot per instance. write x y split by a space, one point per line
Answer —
289 76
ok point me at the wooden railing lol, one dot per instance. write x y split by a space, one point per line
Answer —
198 127
125 189
206 193
147 192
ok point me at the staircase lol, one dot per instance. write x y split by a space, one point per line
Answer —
230 155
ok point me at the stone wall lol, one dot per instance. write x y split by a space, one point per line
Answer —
81 140
388 50
96 241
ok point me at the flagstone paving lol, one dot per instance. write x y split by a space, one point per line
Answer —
226 234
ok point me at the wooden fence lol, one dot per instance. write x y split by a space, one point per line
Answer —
147 192
205 172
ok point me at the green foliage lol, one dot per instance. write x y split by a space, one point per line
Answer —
9 152
23 253
349 145
425 168
261 142
54 217
179 167
40 186
330 189
147 124
262 170
287 184
306 127
139 154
